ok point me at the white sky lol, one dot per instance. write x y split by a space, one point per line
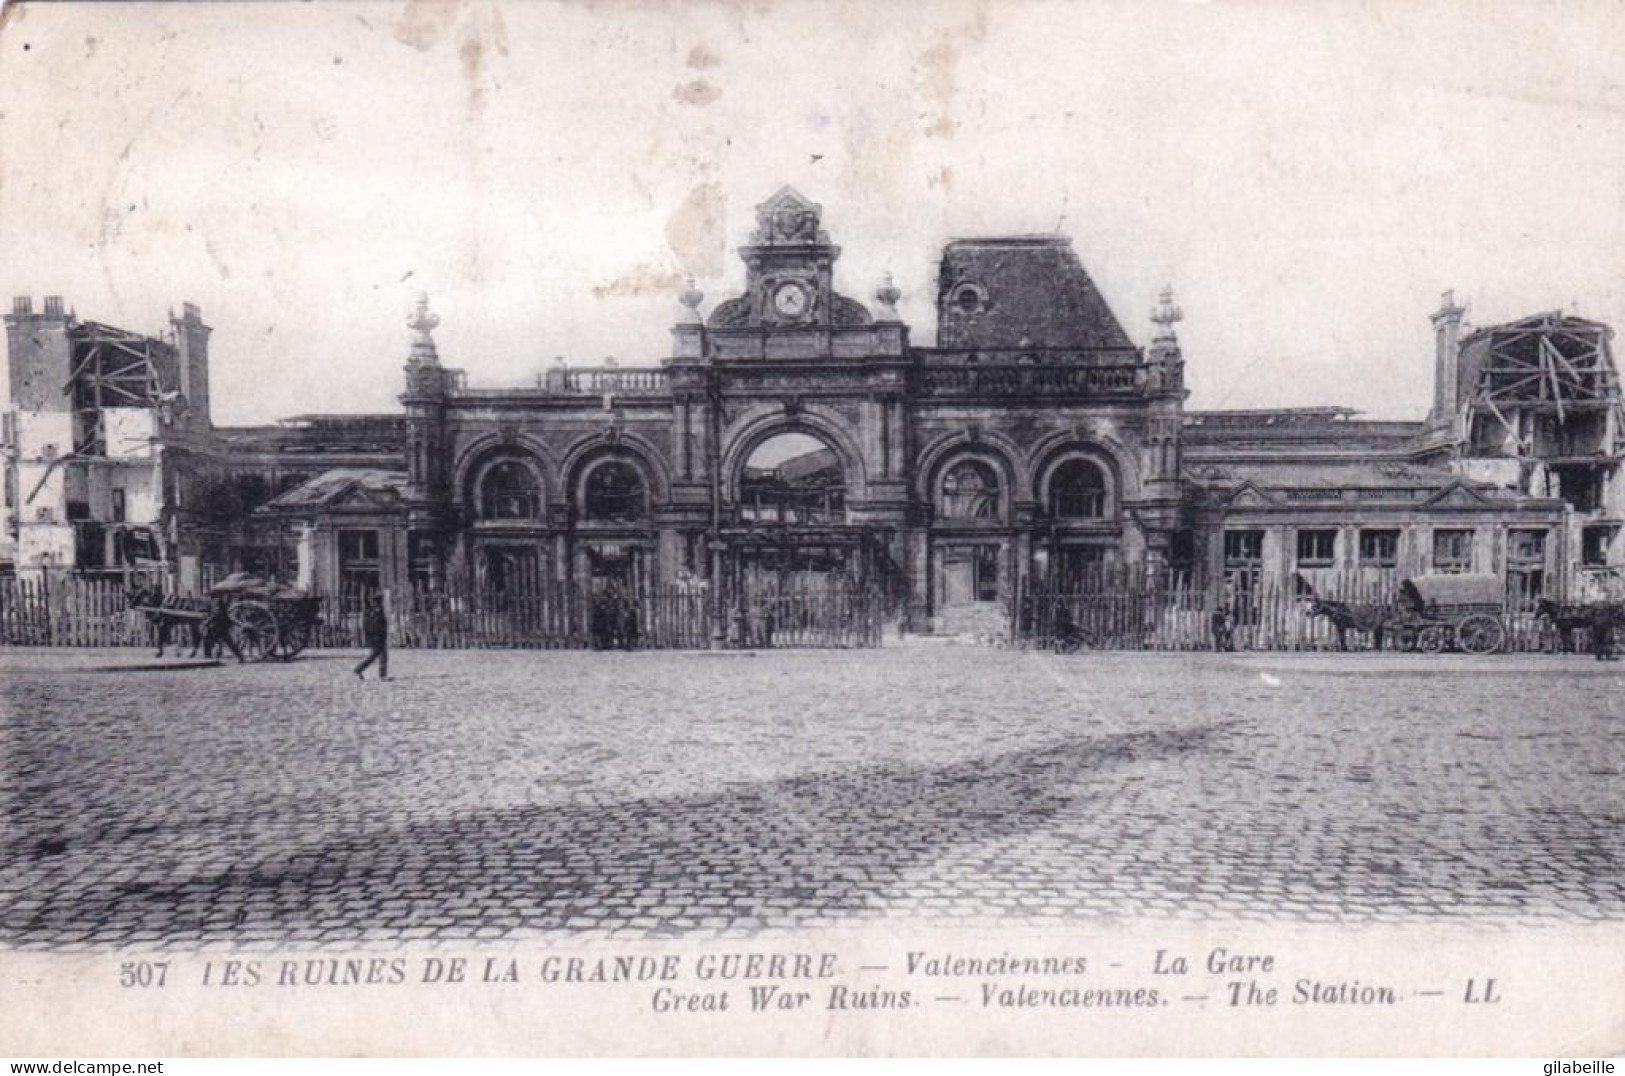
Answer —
1309 177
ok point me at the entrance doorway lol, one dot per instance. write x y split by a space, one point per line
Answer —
969 588
970 575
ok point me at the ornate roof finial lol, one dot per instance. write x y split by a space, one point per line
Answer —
887 295
789 219
423 321
1166 314
691 297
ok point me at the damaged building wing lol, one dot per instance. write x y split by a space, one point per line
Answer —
114 368
94 410
1540 411
1543 387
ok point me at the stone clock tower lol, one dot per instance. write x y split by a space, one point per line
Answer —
788 264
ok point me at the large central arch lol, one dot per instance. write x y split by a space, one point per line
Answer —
790 483
745 443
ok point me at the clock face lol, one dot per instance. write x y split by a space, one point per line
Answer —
790 300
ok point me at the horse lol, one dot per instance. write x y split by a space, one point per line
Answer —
163 612
1567 619
1372 619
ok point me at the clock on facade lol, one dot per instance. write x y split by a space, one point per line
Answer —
791 300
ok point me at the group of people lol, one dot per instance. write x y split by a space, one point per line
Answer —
614 619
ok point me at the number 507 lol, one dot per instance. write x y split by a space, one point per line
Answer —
143 973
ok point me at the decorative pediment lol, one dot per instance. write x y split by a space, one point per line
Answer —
789 218
1457 495
357 496
1250 496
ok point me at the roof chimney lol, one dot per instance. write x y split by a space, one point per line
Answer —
53 306
22 305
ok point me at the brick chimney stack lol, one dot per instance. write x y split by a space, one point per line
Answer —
192 356
1447 321
39 354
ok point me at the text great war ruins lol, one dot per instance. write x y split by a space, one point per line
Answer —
795 430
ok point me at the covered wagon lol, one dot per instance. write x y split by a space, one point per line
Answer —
1440 612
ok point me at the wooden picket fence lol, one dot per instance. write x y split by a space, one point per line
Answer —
560 617
1128 614
67 610
428 618
819 617
1177 616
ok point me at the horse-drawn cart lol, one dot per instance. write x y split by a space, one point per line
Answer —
1440 612
268 620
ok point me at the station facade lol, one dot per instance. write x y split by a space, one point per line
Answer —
795 430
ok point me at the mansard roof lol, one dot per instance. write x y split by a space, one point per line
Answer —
1021 291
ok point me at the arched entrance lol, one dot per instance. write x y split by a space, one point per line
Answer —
614 523
972 545
799 571
792 514
506 502
1081 498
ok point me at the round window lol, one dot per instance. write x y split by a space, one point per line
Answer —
969 298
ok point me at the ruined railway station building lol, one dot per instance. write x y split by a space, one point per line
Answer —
796 429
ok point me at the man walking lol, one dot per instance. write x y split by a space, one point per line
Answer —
217 629
375 633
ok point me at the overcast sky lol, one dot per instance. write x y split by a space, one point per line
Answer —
1308 177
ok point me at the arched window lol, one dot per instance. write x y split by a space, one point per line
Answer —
970 490
615 492
1077 490
509 491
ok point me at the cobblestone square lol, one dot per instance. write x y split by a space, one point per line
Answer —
510 794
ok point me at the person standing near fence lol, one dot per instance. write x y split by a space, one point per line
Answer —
375 633
1602 634
1222 629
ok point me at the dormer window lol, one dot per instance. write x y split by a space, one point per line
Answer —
969 298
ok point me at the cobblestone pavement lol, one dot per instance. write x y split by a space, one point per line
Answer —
486 795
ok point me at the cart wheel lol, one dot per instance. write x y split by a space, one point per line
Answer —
1405 639
294 639
1433 640
255 629
1480 634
